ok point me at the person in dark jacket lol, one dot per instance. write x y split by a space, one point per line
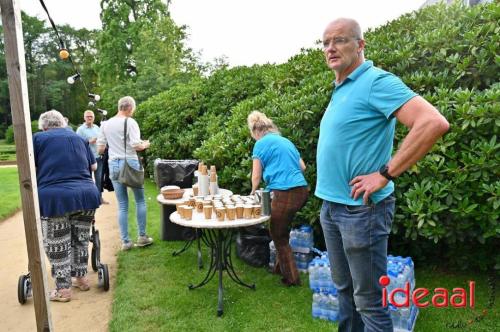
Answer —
68 199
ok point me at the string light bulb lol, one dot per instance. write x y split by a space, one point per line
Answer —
63 54
72 79
95 97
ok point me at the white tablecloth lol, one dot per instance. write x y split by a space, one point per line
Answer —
199 221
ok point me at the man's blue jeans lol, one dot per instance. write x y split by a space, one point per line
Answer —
122 198
356 239
98 174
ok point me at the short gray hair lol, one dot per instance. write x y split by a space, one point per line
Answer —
126 103
51 119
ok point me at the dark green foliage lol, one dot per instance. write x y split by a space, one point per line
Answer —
441 46
9 134
447 204
140 51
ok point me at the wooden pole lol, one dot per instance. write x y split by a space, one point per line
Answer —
19 102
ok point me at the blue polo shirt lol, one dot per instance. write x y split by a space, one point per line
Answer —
63 160
357 132
280 161
88 133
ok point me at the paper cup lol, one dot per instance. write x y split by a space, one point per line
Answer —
239 211
247 211
199 206
188 213
195 189
192 202
231 213
220 213
207 210
256 211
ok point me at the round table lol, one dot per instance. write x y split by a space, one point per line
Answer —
187 193
218 236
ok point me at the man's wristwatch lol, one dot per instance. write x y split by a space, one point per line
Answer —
384 171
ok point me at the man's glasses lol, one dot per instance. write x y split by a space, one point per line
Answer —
337 41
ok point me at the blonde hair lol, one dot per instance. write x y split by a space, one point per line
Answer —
259 123
88 112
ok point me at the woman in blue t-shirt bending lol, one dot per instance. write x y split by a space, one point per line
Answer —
277 160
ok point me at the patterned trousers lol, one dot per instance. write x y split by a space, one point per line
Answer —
284 206
66 241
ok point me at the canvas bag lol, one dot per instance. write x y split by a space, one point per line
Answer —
128 175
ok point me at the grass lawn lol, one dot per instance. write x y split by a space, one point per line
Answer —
9 192
151 294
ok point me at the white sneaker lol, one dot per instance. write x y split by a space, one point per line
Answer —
127 246
143 241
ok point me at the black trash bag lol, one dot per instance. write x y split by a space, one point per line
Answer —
105 179
174 172
252 245
178 173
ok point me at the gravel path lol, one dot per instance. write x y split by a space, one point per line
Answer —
87 311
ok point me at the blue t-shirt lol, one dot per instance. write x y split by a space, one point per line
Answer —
88 133
357 132
280 162
63 160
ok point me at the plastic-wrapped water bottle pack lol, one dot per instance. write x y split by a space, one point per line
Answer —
302 242
400 271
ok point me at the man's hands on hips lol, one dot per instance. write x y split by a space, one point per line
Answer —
367 185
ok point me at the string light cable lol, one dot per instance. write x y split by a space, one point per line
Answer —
64 54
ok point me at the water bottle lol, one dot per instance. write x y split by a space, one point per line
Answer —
308 237
293 238
272 254
326 305
300 262
328 277
313 277
334 307
393 276
395 316
320 277
316 311
323 306
400 297
405 322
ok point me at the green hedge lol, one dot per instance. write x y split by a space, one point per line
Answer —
9 134
447 204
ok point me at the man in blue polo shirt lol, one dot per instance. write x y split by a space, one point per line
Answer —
355 170
90 131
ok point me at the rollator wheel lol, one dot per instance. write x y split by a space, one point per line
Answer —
96 251
103 277
23 289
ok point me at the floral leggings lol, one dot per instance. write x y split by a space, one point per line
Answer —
66 241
